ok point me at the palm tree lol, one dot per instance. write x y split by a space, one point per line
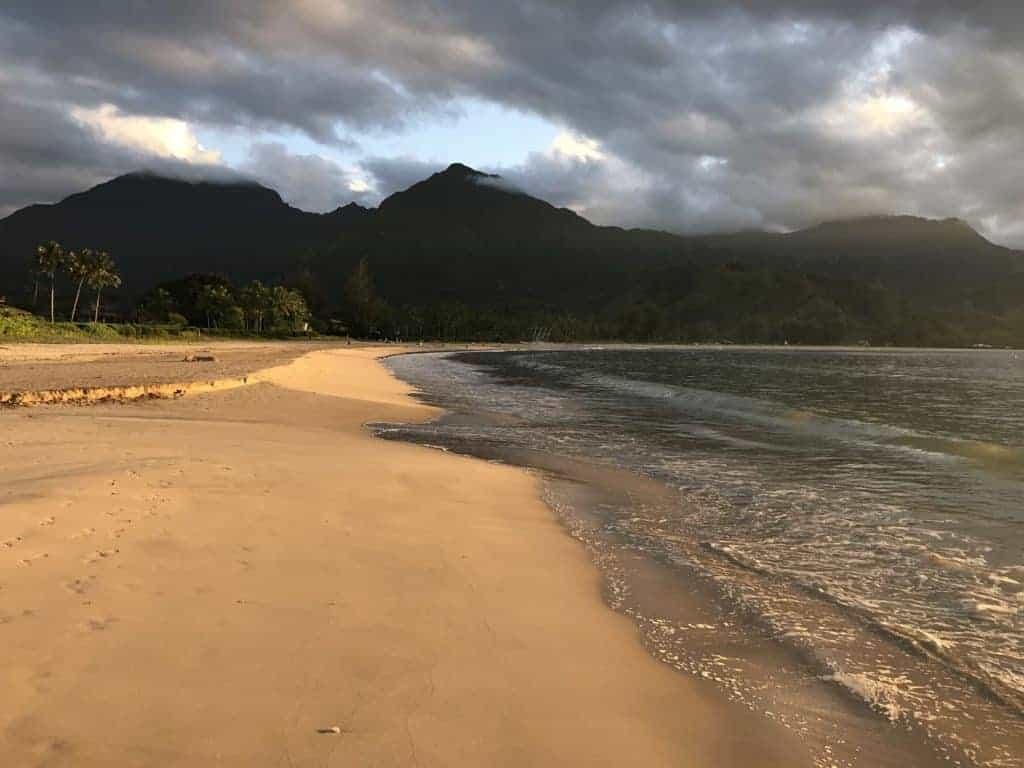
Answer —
49 260
33 272
103 274
79 266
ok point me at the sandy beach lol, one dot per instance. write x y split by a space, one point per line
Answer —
249 578
32 367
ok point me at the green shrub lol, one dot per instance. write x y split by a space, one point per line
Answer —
19 325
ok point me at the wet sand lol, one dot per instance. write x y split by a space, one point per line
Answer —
248 578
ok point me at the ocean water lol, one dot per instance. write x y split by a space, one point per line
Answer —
849 522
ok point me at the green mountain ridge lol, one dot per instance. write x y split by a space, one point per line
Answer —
469 242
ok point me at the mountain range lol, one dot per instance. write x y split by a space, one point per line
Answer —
470 238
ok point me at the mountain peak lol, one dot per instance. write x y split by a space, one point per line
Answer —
459 170
456 187
458 174
213 179
461 199
349 214
169 189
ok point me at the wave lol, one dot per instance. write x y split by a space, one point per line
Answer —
747 409
1001 685
994 457
846 539
882 696
782 418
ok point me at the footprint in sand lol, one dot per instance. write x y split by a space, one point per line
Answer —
47 522
79 586
11 543
26 561
100 554
98 625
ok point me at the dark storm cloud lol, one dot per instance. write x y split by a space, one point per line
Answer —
709 115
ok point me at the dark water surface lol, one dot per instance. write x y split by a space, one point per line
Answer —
836 525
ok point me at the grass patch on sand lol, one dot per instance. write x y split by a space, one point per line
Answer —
17 325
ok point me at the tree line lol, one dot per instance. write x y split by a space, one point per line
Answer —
85 267
673 303
731 303
354 308
214 302
197 300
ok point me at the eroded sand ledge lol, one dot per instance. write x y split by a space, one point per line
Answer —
116 394
210 581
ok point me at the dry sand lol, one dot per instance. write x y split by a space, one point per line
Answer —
64 366
215 580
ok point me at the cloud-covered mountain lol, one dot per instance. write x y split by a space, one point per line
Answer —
474 237
716 116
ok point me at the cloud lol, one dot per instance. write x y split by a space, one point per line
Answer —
309 182
578 147
159 136
391 174
45 154
683 114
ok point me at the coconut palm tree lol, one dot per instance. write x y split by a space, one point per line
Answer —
79 265
103 274
33 272
49 260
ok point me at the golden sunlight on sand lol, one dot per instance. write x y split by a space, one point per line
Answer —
248 578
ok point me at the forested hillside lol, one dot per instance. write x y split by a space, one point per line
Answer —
464 255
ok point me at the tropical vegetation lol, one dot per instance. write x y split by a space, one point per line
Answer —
84 267
215 303
457 257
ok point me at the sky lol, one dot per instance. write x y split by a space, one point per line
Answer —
676 114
